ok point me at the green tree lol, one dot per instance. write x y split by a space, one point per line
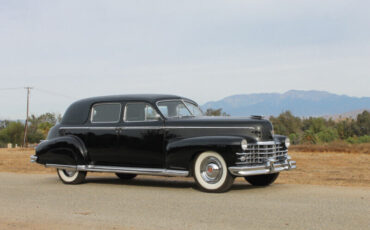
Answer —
40 126
287 124
13 133
216 112
315 124
345 129
363 123
309 137
327 135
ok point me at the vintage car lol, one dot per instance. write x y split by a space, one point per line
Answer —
162 135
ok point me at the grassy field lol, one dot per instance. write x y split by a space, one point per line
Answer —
333 147
320 168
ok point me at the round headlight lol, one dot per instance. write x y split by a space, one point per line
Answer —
244 144
287 142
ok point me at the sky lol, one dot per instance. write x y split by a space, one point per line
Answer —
203 49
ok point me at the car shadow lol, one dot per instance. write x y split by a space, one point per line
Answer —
162 182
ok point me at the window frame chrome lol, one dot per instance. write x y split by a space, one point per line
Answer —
181 100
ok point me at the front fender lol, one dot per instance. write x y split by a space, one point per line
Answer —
65 150
279 138
181 153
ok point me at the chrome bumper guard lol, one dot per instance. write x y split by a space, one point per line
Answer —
33 159
271 166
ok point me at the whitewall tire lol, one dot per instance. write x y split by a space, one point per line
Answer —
211 173
71 176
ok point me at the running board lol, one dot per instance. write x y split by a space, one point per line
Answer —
114 169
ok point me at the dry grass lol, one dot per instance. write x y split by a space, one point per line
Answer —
18 161
333 147
327 168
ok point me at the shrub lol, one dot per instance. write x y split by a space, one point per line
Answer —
327 135
359 140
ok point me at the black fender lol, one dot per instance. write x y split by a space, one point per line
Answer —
279 138
181 153
65 150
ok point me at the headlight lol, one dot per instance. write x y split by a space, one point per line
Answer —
244 144
287 142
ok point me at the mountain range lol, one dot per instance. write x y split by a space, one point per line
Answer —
300 103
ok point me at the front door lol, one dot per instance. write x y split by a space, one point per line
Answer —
141 137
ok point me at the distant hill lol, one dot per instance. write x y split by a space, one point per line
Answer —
299 102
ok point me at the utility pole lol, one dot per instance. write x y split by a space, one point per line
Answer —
25 144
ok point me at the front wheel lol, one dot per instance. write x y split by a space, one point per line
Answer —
262 180
211 173
71 176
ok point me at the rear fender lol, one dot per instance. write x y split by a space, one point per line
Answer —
65 150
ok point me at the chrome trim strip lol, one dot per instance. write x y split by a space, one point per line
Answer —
141 127
201 127
158 127
114 169
267 143
267 168
59 166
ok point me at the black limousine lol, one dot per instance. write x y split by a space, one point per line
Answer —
165 135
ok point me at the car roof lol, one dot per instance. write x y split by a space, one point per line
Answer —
77 113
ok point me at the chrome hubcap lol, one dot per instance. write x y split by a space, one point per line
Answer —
211 170
69 173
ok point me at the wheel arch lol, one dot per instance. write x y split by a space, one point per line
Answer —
182 153
65 150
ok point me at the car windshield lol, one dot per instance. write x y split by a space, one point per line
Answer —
178 108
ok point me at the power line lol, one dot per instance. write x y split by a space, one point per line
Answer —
12 88
53 93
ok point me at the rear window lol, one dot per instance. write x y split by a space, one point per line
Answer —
106 113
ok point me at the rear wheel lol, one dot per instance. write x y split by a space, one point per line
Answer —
262 180
126 176
68 176
211 173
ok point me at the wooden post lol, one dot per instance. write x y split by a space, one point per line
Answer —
25 144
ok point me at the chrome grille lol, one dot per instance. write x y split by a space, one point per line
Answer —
260 152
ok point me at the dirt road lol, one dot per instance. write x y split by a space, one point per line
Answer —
38 201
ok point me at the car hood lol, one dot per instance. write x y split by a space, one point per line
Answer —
257 127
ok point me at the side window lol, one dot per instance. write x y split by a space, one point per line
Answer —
106 113
182 110
163 109
140 112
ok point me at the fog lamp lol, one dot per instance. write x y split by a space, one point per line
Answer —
287 142
244 144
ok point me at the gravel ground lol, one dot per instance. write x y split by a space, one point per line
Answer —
41 201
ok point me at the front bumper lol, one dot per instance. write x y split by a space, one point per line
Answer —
271 166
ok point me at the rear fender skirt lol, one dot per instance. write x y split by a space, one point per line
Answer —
181 153
67 150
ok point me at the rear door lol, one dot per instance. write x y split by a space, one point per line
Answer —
102 135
